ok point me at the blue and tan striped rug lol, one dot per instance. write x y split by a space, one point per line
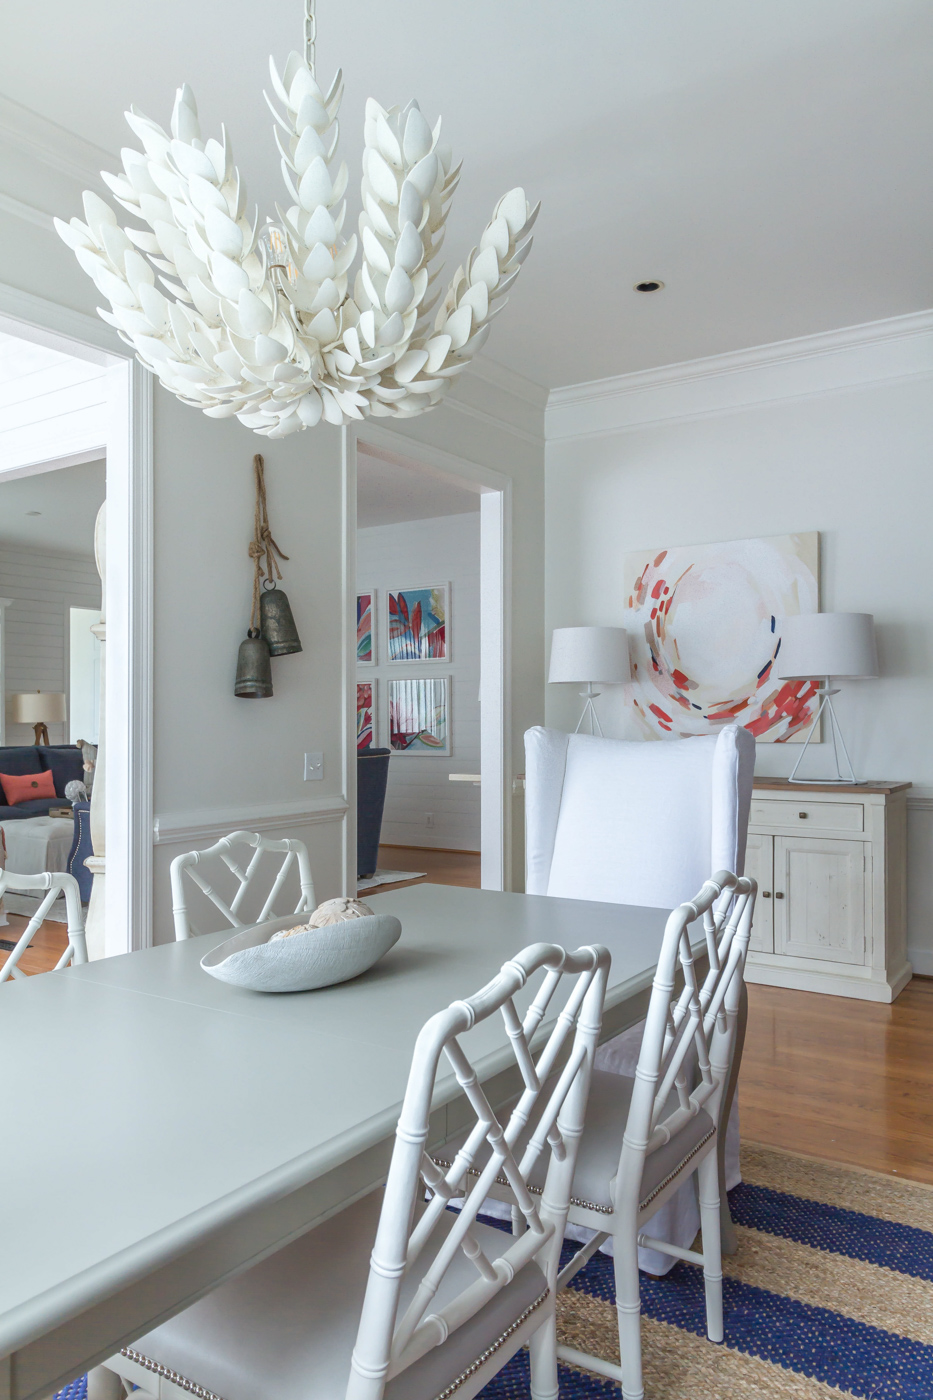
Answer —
829 1296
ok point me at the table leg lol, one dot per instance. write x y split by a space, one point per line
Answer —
730 1242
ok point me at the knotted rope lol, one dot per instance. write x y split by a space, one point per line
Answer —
262 543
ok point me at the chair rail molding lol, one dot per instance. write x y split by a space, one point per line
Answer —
811 366
168 828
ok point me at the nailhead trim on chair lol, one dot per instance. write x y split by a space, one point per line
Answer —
670 1176
159 1370
202 1394
588 1205
491 1350
501 1181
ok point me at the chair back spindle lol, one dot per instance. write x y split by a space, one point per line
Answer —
52 883
420 1237
195 866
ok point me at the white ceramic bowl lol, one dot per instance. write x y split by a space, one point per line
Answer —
320 957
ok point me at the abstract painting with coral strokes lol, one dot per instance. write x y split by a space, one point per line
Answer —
704 624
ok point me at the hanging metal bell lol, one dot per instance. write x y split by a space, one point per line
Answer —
277 624
253 668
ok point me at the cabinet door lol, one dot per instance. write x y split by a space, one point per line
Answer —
758 865
819 898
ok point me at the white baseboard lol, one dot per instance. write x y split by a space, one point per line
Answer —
921 960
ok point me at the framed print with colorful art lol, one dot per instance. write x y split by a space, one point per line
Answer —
704 628
419 624
365 714
366 628
419 715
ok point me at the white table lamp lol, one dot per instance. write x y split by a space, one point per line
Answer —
588 656
39 708
825 646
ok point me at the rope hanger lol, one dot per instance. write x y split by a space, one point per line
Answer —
262 544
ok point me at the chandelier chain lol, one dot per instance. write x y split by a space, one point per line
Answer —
310 33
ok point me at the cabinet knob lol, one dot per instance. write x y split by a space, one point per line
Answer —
778 894
803 816
766 894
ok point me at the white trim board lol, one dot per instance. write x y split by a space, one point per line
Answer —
898 348
52 145
171 828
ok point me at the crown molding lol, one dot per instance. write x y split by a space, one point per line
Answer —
509 380
27 212
810 366
170 828
53 146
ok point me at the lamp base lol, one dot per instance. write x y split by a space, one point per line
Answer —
41 731
589 709
838 742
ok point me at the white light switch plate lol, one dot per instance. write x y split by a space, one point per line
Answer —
314 766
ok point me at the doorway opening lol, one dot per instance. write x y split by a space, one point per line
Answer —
429 674
75 429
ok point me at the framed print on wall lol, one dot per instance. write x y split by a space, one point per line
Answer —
419 715
704 625
419 624
365 714
365 628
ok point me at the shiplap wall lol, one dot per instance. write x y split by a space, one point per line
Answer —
42 586
416 553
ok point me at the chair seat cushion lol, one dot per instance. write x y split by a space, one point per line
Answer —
285 1329
601 1146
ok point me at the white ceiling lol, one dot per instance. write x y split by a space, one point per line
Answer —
388 493
68 501
768 162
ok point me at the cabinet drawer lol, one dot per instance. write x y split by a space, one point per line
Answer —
807 816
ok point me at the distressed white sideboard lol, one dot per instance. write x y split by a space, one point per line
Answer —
831 866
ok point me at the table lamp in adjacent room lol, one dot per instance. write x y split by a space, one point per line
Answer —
825 647
40 708
589 656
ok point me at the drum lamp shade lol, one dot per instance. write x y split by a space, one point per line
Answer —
814 645
590 655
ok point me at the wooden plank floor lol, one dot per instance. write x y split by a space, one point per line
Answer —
44 951
849 1081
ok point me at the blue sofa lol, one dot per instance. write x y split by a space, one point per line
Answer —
66 762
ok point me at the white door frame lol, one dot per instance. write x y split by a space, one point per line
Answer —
495 492
128 605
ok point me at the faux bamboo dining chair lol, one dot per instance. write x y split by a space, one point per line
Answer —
248 877
648 1135
440 1302
642 823
54 883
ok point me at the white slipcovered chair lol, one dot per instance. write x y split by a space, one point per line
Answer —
246 877
53 883
641 823
444 1301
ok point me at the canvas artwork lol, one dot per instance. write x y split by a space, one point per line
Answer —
365 712
704 626
365 631
419 715
419 624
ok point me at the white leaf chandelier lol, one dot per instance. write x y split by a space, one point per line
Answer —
264 327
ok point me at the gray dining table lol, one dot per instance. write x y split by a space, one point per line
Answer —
162 1130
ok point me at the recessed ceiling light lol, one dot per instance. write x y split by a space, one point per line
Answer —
648 286
33 512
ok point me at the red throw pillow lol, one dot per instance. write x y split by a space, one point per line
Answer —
23 787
